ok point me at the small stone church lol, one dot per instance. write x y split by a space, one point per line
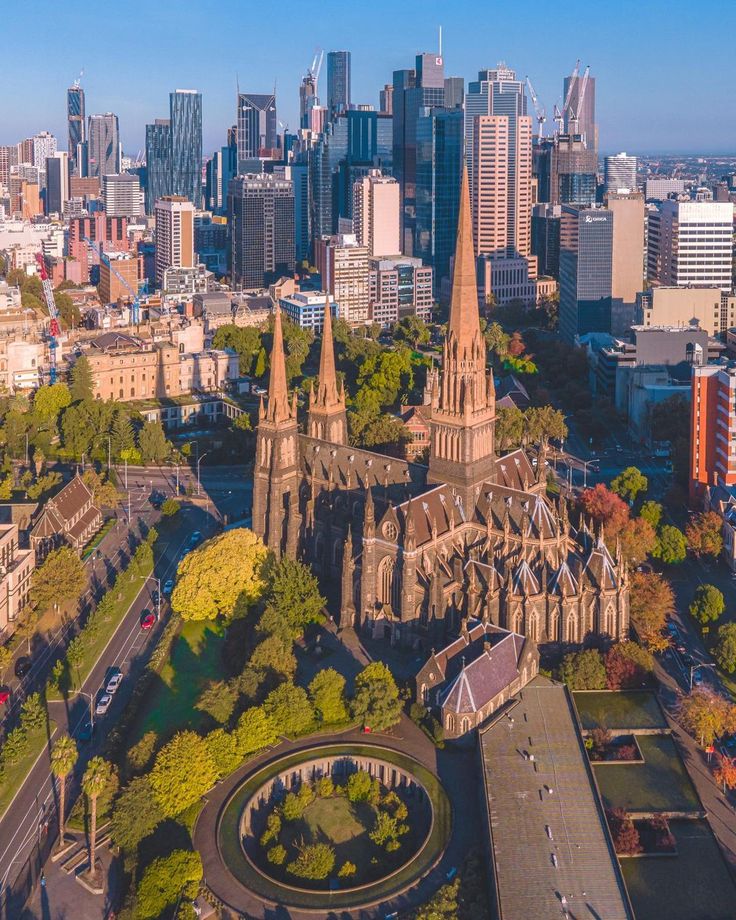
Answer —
412 553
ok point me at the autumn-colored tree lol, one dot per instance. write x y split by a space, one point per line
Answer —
706 715
626 840
628 666
703 534
638 539
724 773
606 508
651 600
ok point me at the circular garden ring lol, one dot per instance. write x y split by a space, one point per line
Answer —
235 837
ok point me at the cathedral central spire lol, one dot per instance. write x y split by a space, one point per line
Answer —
464 325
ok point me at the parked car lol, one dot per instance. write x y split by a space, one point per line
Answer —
148 619
4 694
155 597
168 587
86 731
22 666
697 678
103 704
115 678
672 628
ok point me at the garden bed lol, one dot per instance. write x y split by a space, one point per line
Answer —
98 538
621 749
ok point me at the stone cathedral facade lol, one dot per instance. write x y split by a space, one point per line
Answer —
412 553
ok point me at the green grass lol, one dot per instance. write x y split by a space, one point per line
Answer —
627 709
335 819
694 885
14 776
195 660
661 783
96 540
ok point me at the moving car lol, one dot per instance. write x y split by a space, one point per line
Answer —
114 680
168 587
86 731
155 598
148 618
22 666
103 704
195 538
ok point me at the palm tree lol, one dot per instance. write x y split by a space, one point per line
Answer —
95 780
63 758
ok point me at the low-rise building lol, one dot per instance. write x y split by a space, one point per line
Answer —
397 288
16 568
415 420
307 308
71 516
713 309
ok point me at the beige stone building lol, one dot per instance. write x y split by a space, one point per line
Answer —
628 244
16 568
376 214
713 310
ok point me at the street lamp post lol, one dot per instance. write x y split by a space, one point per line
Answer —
199 460
586 463
91 705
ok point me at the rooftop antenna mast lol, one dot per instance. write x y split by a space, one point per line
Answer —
440 41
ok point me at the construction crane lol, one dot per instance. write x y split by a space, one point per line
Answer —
316 67
539 109
559 116
574 119
54 330
99 252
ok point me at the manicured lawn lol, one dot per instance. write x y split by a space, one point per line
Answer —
694 885
627 709
195 661
659 784
335 819
15 775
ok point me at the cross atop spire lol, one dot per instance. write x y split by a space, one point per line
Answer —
278 409
464 323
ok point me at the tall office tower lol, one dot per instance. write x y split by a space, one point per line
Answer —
586 271
298 174
174 234
8 158
44 146
57 182
103 145
414 90
261 215
619 173
627 277
257 125
338 82
386 99
25 151
546 238
572 172
454 92
121 194
75 123
307 98
439 174
344 267
713 430
690 243
376 214
581 121
221 168
158 162
495 92
186 144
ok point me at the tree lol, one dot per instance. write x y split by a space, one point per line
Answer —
82 381
315 861
184 770
63 759
443 905
152 442
122 438
104 493
289 709
651 601
221 578
376 702
136 814
606 508
6 657
584 670
725 650
543 423
218 700
223 748
497 341
509 427
706 715
97 778
259 368
295 595
277 855
629 483
59 578
327 691
50 400
707 604
628 666
274 655
638 540
703 534
165 880
296 803
347 869
359 786
170 507
255 731
625 835
724 773
42 485
651 511
412 329
671 545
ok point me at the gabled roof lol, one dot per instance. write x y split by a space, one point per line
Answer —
563 581
71 499
600 567
486 676
524 580
515 471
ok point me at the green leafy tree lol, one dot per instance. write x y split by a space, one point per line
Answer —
184 770
651 511
273 829
77 430
376 702
170 507
82 381
442 906
104 493
584 670
725 650
136 814
295 595
510 424
359 786
277 855
255 731
6 489
275 656
43 485
63 759
59 578
629 483
141 754
49 401
412 329
218 700
327 692
33 715
68 311
165 880
288 707
707 604
259 367
703 534
347 869
223 748
671 545
246 341
296 803
152 442
6 658
221 578
544 422
315 861
122 437
96 781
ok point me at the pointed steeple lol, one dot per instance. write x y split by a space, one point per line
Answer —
278 409
464 317
327 390
327 415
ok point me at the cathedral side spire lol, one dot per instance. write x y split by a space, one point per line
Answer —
327 390
278 409
327 415
464 324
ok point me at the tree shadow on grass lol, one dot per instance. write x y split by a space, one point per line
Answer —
170 835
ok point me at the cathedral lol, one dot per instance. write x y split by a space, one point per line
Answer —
413 553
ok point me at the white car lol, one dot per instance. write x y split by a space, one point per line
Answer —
114 681
103 704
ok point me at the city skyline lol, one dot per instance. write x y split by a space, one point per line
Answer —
670 117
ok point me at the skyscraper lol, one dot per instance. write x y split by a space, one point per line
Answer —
572 171
44 146
386 99
307 98
620 173
158 162
174 234
121 195
454 92
103 152
690 243
581 119
186 144
57 182
261 215
586 271
338 82
256 125
376 214
75 123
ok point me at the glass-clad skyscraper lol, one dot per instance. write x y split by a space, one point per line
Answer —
586 271
103 145
338 82
158 162
186 144
256 125
75 121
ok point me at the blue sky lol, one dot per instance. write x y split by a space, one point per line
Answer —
664 76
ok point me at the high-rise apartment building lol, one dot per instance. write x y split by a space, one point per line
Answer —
546 238
343 265
713 429
186 144
454 92
619 173
174 234
44 146
690 243
103 145
338 82
57 182
581 119
75 118
257 125
107 233
586 271
261 216
386 99
398 288
221 168
121 194
8 158
115 285
377 213
158 162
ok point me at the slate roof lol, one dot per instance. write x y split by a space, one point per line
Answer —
486 676
115 341
511 393
72 498
600 567
515 471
